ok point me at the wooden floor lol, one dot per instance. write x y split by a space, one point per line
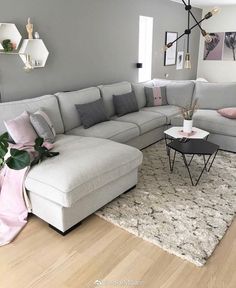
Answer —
97 250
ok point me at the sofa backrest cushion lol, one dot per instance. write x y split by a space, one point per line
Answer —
215 95
139 91
67 102
180 93
107 92
48 103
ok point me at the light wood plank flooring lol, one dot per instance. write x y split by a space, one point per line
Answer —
97 250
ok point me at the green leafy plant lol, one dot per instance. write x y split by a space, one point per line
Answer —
43 152
19 159
189 111
7 45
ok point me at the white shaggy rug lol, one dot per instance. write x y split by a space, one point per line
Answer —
167 211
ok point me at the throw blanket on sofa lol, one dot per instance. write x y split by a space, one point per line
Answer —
14 205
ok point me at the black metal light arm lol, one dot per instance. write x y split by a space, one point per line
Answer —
191 28
188 8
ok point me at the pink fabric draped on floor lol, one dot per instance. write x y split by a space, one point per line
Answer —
13 211
13 208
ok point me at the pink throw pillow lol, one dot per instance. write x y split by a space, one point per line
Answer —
228 112
20 129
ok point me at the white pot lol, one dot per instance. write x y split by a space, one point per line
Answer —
188 126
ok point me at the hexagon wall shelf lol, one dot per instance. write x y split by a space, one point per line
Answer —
37 50
10 31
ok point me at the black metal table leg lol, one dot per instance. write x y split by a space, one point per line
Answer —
213 160
187 166
204 168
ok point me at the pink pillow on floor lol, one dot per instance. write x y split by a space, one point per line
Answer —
228 112
20 129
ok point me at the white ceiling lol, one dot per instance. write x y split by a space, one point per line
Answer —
202 3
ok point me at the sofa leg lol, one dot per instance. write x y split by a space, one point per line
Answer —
130 189
67 231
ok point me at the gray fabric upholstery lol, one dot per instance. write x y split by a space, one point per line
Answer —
68 100
107 92
168 110
125 103
178 121
117 131
138 89
211 121
49 104
92 113
180 93
41 127
215 95
146 121
83 166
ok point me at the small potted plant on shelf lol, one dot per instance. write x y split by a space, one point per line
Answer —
187 114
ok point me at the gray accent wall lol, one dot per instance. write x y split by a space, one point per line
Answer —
90 42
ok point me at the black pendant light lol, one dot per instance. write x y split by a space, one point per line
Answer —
189 29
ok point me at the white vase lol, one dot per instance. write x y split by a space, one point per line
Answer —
188 126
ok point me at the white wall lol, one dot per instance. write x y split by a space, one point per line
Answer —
218 71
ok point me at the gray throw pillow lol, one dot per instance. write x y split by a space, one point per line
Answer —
125 103
42 128
156 96
92 113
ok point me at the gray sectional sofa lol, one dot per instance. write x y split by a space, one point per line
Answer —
97 164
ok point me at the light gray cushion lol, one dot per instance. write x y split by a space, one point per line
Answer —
211 121
180 93
49 104
138 89
83 165
125 103
107 92
42 128
215 95
68 100
146 121
168 110
113 130
92 113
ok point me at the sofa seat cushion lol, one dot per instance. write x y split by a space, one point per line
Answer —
146 121
211 121
167 110
113 130
84 165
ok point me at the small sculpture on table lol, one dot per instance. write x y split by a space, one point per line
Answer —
30 29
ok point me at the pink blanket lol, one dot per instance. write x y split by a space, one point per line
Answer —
13 208
13 211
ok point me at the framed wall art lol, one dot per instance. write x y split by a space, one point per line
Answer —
170 54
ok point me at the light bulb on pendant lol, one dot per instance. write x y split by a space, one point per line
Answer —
187 63
167 46
207 36
215 10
